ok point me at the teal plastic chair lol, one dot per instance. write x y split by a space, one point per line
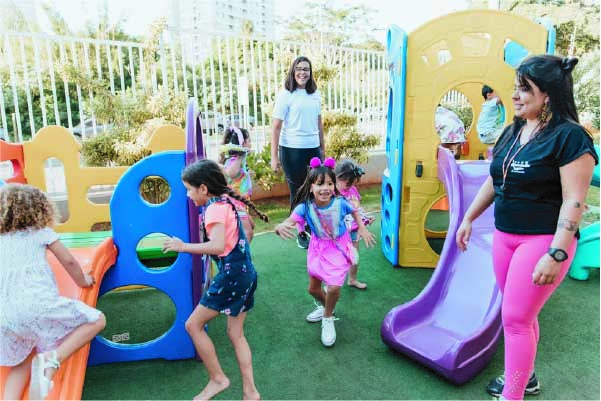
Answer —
587 253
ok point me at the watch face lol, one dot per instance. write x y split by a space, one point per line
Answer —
559 255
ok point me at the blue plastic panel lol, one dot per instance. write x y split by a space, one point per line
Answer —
132 219
396 55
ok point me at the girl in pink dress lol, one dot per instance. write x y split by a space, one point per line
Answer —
347 175
331 252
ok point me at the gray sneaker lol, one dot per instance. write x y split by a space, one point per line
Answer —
496 385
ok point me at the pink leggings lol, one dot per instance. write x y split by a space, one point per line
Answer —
514 257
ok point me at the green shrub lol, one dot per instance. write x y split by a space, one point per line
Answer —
331 119
259 164
346 142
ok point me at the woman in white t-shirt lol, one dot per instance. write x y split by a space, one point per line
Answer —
297 128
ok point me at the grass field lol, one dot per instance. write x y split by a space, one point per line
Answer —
289 360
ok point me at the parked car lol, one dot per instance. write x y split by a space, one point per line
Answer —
238 120
213 122
88 127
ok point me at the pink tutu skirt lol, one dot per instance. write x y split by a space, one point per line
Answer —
330 260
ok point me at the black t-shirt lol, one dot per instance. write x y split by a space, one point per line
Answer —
531 198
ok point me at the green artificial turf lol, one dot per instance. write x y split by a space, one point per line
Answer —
291 363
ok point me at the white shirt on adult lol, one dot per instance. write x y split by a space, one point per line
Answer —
299 112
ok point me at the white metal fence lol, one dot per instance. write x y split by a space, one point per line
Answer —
235 80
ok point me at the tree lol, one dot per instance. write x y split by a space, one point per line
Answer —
12 18
575 21
58 25
586 87
346 26
577 34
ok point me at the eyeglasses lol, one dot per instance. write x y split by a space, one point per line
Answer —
299 69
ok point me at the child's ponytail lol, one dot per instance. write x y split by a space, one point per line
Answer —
349 172
233 194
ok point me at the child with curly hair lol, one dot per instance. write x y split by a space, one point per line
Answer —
33 316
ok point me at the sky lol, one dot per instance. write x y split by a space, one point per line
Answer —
407 14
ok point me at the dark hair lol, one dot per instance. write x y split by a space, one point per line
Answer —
291 84
209 173
486 90
230 136
553 77
348 171
314 175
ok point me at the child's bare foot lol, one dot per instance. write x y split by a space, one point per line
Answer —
251 395
212 388
357 284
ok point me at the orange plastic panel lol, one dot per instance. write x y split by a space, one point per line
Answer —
68 382
13 152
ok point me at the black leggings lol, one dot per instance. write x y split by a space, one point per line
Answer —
295 163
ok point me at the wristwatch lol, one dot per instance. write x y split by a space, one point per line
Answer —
559 255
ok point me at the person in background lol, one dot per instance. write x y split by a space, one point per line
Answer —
450 129
539 176
348 175
491 118
297 134
235 148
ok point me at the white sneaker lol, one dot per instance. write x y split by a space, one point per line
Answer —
316 315
328 331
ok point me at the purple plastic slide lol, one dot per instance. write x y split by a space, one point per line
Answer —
454 324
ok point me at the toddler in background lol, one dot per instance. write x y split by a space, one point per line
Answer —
348 175
491 118
450 129
235 148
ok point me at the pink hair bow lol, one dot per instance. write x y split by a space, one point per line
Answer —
329 162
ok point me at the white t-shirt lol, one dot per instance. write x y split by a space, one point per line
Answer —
491 117
299 112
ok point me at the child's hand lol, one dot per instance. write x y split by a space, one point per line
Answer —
368 237
285 231
173 244
88 280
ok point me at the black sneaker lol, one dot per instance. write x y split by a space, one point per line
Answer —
303 239
495 386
